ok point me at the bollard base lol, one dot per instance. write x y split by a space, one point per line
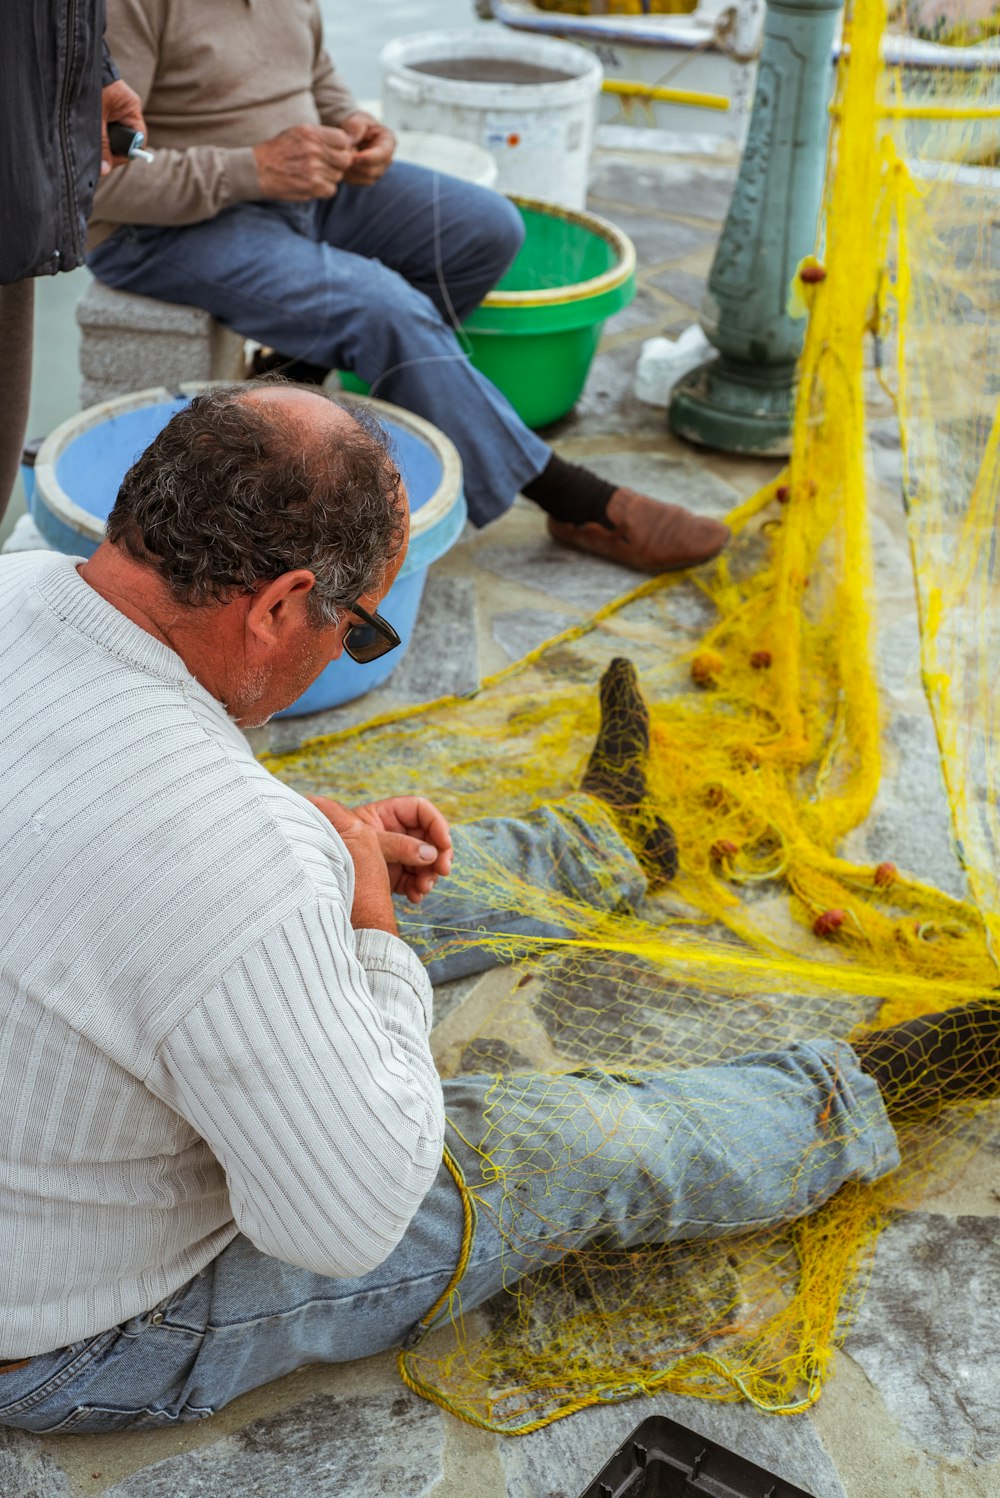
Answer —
737 408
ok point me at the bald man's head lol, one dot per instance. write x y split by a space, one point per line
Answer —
250 482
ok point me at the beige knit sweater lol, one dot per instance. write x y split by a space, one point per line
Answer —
216 77
193 1040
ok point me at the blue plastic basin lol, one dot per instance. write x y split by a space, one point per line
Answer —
81 465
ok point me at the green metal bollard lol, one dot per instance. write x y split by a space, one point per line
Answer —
741 399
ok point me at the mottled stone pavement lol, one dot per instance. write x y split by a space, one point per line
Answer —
913 1409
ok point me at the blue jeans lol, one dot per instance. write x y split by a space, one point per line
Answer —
374 280
548 1165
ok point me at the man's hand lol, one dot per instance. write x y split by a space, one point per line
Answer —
121 103
415 841
372 909
373 145
303 162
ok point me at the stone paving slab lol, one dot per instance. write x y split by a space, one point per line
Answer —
548 1463
382 1445
910 823
570 576
926 1334
699 190
661 240
521 632
608 405
683 285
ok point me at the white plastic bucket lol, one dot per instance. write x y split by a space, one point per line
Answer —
531 102
443 153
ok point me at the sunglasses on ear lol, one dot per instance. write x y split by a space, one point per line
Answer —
369 639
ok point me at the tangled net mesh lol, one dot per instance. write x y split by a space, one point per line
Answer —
769 730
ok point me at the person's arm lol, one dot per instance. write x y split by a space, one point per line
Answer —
109 69
177 187
334 99
308 1073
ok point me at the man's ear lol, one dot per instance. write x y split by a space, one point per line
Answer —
280 607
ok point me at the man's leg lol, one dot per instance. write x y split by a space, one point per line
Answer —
454 242
551 1164
260 269
597 848
449 239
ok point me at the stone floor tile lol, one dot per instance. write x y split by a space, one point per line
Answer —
898 652
28 1472
380 1444
448 996
926 1332
646 310
526 629
608 405
887 468
910 824
893 567
674 480
561 1460
658 240
572 576
671 186
682 285
442 657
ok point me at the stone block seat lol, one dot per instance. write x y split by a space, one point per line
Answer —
131 342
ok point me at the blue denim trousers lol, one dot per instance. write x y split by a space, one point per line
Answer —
374 280
547 1165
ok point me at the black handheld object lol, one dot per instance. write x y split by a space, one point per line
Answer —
124 141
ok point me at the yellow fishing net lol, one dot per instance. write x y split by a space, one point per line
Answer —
769 729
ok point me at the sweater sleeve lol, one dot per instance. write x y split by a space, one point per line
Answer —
334 99
308 1073
177 186
109 68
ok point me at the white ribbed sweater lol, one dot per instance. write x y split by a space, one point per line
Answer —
193 1040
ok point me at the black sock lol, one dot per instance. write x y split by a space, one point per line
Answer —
299 370
939 1058
616 771
570 493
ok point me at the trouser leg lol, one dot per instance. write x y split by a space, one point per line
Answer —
451 240
17 320
553 861
550 1164
259 269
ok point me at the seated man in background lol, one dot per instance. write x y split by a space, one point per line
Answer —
273 203
221 1128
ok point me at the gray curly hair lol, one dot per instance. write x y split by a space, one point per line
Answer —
226 497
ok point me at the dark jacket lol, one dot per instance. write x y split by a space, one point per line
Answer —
53 65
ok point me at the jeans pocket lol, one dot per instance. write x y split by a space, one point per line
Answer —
56 1370
94 1419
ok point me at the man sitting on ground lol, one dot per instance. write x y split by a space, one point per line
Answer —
273 202
221 1129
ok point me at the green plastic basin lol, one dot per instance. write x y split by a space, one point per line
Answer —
536 334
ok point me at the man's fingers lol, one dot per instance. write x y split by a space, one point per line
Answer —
411 852
417 811
415 886
335 147
121 103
